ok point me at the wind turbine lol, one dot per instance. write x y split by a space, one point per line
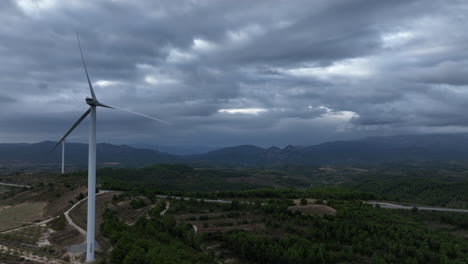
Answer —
93 104
63 153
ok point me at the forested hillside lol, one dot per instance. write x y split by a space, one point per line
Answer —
355 233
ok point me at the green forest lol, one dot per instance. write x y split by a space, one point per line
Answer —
437 185
357 233
422 189
159 240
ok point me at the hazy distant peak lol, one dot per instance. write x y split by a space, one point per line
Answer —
289 148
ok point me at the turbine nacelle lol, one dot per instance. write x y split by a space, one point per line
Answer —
92 102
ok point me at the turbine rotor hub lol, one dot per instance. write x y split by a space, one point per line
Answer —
92 102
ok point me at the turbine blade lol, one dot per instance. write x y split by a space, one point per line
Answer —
72 128
106 106
133 112
86 70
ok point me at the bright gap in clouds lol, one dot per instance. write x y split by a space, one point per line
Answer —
248 111
352 68
177 56
392 40
31 7
202 45
105 83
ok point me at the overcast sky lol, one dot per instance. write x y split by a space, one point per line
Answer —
234 72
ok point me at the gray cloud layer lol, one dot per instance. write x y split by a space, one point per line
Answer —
235 72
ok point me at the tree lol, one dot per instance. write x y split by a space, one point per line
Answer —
80 196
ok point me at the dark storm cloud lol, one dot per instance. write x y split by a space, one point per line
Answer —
234 72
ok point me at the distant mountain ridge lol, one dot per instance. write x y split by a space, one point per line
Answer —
362 151
176 149
77 154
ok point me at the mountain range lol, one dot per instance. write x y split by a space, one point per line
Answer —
362 151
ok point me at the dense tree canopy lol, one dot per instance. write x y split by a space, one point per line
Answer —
159 240
357 234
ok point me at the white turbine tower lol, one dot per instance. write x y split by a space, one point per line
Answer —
93 104
63 153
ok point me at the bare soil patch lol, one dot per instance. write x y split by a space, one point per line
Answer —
359 170
249 179
21 214
451 229
221 222
439 226
313 209
4 189
61 204
309 201
67 237
460 233
128 214
327 169
79 216
246 227
21 197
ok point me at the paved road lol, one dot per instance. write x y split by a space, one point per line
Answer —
382 205
198 199
410 207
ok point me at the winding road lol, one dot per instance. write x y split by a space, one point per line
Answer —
80 248
70 221
163 212
387 205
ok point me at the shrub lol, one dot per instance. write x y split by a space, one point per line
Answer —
138 203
